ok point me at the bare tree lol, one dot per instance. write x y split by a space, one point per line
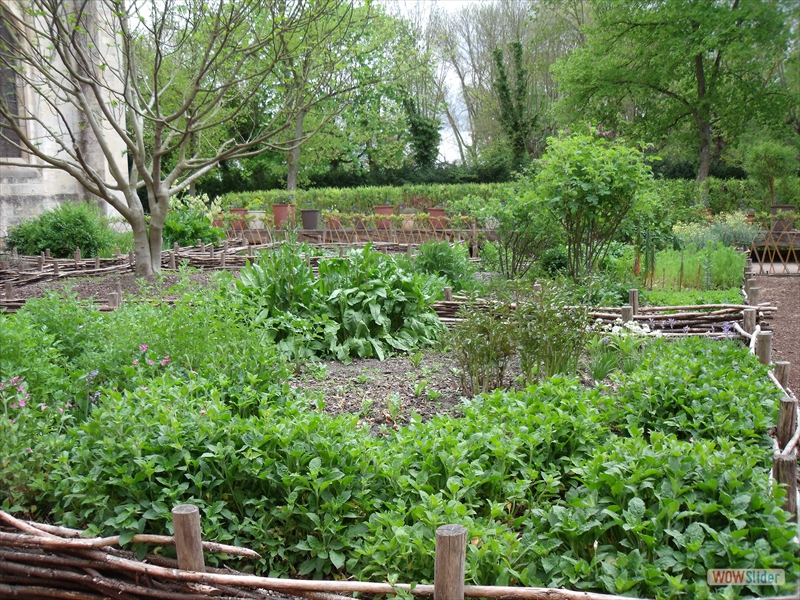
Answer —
164 90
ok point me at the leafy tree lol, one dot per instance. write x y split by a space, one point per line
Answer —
650 67
176 85
769 160
589 184
517 125
425 136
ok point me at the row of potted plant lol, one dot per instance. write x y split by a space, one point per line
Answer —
384 218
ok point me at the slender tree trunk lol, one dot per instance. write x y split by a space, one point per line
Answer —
141 243
294 155
704 157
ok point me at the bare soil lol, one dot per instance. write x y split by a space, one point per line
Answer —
784 293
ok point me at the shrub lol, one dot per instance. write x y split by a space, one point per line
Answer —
186 226
448 261
589 185
731 229
62 230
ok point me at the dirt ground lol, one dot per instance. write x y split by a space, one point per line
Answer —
784 293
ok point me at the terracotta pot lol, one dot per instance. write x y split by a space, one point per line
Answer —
384 210
310 218
238 224
438 218
408 224
283 215
334 223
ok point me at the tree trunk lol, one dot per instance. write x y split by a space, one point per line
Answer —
704 129
294 155
141 243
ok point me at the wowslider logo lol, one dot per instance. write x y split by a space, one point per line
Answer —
746 577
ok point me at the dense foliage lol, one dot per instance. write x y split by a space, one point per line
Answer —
62 230
638 491
360 305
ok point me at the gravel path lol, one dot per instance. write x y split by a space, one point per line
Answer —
784 293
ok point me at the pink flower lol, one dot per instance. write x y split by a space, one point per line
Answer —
135 363
165 362
28 449
144 389
69 404
44 407
143 348
21 403
194 372
60 410
27 396
21 389
150 362
12 421
202 412
14 405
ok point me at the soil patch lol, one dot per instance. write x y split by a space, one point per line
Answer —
784 293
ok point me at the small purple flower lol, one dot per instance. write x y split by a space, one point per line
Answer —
606 340
671 322
686 329
726 328
93 374
96 396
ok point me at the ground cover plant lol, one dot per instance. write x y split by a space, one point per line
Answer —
636 486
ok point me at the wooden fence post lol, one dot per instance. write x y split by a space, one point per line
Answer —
753 296
9 290
782 372
200 244
749 318
172 265
764 347
131 258
113 300
188 537
784 469
55 267
175 247
627 313
448 569
40 262
749 283
633 300
47 252
787 421
448 294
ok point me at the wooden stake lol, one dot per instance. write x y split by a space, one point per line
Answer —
753 296
764 347
9 290
113 300
118 289
249 251
448 570
55 267
627 313
40 263
188 537
784 469
172 266
3 265
118 253
749 317
633 300
749 283
175 247
96 262
787 421
47 252
131 258
77 253
782 372
200 244
222 259
408 249
448 294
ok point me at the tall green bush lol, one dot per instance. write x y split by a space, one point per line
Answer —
62 230
590 185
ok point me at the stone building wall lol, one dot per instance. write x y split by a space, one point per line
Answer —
28 189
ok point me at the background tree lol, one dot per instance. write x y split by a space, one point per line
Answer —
167 78
517 123
769 160
650 68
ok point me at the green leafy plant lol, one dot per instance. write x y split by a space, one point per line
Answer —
184 227
589 185
62 230
448 261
